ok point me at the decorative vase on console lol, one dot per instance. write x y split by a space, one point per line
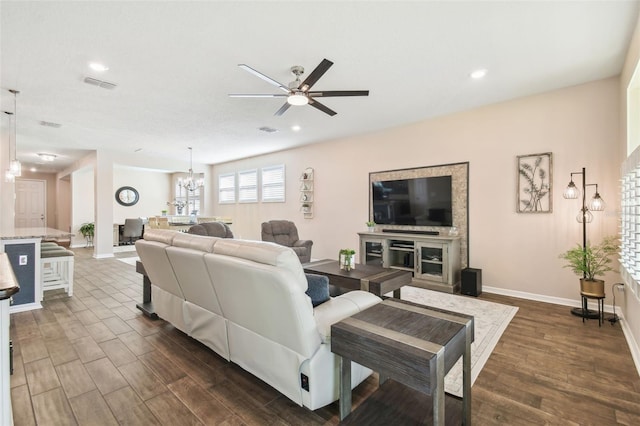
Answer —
371 226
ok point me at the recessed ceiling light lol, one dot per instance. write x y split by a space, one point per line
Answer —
478 74
295 128
97 66
33 169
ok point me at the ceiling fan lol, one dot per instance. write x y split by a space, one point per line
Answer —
298 92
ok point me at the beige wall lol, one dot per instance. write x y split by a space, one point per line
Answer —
517 252
154 188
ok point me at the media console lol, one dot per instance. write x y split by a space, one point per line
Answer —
434 260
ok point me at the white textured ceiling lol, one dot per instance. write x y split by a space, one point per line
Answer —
174 64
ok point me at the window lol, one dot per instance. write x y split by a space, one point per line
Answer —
273 184
248 186
630 226
227 188
186 202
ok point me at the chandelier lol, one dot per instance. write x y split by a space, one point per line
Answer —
190 183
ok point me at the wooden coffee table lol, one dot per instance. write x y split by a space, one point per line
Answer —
371 278
414 346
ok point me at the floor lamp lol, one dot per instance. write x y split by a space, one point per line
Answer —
584 216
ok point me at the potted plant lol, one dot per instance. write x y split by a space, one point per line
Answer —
346 259
590 262
87 230
370 224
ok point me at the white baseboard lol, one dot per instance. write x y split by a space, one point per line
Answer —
631 341
103 256
24 307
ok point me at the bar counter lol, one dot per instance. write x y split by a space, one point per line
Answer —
22 246
37 232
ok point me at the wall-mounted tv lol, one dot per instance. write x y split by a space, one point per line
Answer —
422 201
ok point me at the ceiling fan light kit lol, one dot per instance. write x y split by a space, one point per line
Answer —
297 99
297 92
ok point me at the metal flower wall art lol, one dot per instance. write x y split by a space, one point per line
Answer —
534 183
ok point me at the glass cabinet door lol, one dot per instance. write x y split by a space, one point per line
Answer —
432 258
372 252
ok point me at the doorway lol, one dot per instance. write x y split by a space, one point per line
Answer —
31 206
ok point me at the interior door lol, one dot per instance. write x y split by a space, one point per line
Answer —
30 203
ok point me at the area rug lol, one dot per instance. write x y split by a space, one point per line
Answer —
491 319
129 260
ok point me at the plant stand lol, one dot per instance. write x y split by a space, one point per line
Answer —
588 313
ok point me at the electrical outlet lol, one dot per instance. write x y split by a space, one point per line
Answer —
22 260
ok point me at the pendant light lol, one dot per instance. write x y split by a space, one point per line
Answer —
8 176
14 165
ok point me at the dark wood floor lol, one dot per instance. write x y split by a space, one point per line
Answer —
93 359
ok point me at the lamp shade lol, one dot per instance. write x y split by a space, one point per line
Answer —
597 204
588 216
571 192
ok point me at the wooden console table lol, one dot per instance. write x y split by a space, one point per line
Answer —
371 278
415 346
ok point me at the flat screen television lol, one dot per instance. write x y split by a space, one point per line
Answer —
417 202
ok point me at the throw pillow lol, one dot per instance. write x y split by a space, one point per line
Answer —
318 288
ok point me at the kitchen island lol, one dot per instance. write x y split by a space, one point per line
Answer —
22 246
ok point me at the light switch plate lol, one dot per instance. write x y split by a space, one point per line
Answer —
22 260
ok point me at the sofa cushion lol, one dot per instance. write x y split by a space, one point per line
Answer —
318 288
161 235
195 242
338 308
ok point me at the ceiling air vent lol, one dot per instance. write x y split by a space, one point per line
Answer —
50 124
99 83
268 129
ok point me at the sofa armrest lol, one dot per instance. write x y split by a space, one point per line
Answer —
303 243
338 308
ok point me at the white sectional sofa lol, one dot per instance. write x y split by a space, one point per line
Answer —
246 301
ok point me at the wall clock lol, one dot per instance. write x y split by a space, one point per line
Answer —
127 196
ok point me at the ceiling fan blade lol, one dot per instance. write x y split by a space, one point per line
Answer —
283 108
321 107
258 74
315 75
332 93
249 95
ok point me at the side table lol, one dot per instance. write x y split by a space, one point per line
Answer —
415 345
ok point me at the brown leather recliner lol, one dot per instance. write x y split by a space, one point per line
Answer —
285 233
212 229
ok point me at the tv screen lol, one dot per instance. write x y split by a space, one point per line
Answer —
417 202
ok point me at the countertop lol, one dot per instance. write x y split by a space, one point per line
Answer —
41 232
8 283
